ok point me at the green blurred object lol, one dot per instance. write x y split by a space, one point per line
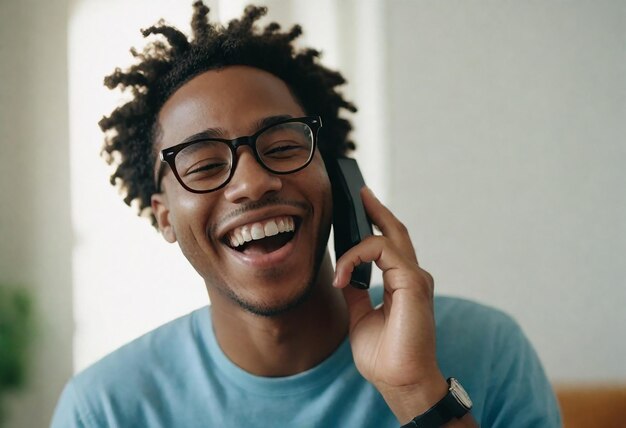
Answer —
15 335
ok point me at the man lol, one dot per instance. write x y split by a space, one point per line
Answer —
242 124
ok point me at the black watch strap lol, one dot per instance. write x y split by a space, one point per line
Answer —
441 413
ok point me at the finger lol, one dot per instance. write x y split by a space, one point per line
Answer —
398 270
387 222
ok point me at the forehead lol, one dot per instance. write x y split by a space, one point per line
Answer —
232 99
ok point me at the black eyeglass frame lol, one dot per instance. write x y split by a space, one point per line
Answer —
168 156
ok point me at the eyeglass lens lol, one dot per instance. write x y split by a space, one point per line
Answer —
282 148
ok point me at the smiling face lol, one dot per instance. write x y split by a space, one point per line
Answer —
274 271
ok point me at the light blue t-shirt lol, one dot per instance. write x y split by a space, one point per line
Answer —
177 376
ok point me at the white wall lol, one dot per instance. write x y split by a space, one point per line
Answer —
508 145
35 232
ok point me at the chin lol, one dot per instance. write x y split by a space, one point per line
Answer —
275 308
279 300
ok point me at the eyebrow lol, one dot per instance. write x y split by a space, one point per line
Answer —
211 133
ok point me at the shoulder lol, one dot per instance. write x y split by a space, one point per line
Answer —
477 336
144 354
458 316
149 363
488 351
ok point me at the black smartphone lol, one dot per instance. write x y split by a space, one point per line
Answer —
350 222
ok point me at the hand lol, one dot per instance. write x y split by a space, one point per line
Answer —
394 344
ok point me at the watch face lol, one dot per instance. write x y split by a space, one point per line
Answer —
460 394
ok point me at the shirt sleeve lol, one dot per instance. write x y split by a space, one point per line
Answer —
519 393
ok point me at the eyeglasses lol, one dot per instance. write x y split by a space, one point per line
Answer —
204 165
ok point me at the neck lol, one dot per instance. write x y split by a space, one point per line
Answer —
289 343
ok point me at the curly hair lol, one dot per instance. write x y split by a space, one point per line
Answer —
169 61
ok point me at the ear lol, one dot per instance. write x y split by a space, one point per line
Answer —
161 211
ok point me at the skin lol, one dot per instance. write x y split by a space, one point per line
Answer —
393 346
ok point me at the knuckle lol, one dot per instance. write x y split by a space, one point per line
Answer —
422 279
401 227
428 277
422 288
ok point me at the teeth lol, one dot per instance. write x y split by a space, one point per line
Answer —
270 228
245 232
260 230
257 231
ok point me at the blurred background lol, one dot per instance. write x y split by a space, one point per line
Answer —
495 130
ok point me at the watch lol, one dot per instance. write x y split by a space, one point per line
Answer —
455 404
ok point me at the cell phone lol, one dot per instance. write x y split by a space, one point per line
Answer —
350 222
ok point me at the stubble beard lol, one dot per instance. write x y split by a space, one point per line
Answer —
268 310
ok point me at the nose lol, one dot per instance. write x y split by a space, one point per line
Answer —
250 181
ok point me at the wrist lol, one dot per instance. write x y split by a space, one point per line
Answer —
450 410
406 401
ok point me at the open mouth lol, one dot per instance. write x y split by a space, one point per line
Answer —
262 237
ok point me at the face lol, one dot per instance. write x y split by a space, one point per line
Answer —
264 276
